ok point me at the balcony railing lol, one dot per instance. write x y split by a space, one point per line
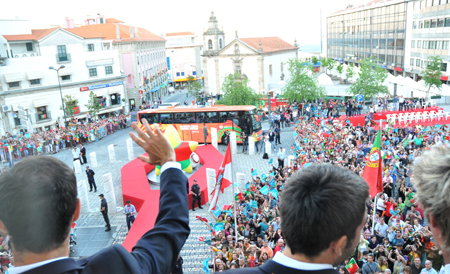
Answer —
40 118
63 58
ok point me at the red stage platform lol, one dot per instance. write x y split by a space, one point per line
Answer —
136 188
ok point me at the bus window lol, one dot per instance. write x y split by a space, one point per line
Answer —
178 118
166 118
188 118
211 117
223 117
256 124
206 117
150 117
134 117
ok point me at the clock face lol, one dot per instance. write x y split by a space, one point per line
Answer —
374 157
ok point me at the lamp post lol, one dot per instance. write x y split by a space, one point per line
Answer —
60 92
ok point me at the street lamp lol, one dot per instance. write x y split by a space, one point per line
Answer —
60 92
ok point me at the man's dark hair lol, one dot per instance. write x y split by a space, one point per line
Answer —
324 199
39 196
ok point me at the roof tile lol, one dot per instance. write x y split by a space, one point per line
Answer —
179 33
269 44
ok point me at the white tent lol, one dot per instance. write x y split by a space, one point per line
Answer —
445 90
324 80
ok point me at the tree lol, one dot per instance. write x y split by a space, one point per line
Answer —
340 68
194 88
236 91
314 60
350 72
302 85
331 63
69 104
93 104
370 81
432 74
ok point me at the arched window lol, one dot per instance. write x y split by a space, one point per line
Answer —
209 44
220 43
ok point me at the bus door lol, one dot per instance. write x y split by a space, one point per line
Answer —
184 120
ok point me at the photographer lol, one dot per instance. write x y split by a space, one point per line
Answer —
130 211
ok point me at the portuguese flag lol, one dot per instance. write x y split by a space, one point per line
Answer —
352 266
372 171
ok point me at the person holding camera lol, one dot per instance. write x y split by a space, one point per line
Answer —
130 211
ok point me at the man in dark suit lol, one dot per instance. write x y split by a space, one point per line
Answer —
41 185
90 174
323 211
104 211
83 154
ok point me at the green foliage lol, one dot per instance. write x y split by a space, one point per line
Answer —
236 91
302 85
370 81
314 60
350 71
331 63
194 88
69 104
340 68
93 104
432 74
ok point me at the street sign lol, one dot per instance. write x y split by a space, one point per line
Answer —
22 113
360 98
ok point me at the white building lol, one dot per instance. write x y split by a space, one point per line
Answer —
263 60
142 57
26 79
183 50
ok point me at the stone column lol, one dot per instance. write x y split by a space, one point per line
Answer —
93 158
260 75
233 142
251 145
205 76
216 63
268 148
211 181
112 154
109 192
214 137
130 149
77 166
240 178
83 195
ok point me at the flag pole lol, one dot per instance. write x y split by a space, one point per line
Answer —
233 201
374 212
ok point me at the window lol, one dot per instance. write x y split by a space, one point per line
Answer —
62 53
281 66
206 117
413 43
440 23
445 45
411 62
90 47
35 82
432 45
270 69
444 67
400 44
433 23
425 45
419 44
92 72
438 44
220 43
447 22
65 78
194 73
209 44
42 113
14 85
182 74
108 70
382 43
417 62
390 44
29 46
420 24
429 3
178 74
414 24
101 20
16 117
426 24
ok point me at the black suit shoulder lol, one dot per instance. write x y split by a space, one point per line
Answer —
273 267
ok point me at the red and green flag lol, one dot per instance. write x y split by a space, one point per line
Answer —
352 266
372 172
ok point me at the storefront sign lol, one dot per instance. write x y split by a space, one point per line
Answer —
101 86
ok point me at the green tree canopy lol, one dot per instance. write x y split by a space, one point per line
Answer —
340 68
370 81
302 85
350 71
236 91
314 60
432 74
93 104
69 104
194 88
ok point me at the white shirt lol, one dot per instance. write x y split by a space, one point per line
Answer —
24 268
289 262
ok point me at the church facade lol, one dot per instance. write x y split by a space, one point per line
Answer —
263 59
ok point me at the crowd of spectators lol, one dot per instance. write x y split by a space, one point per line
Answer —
58 137
396 237
6 255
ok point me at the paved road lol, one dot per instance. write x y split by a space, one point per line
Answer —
178 97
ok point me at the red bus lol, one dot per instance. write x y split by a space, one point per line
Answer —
189 121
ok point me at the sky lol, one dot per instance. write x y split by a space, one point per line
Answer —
287 19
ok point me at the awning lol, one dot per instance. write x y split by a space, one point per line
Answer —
115 90
40 103
15 107
444 78
66 71
398 69
155 89
32 75
186 79
13 77
44 124
119 107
